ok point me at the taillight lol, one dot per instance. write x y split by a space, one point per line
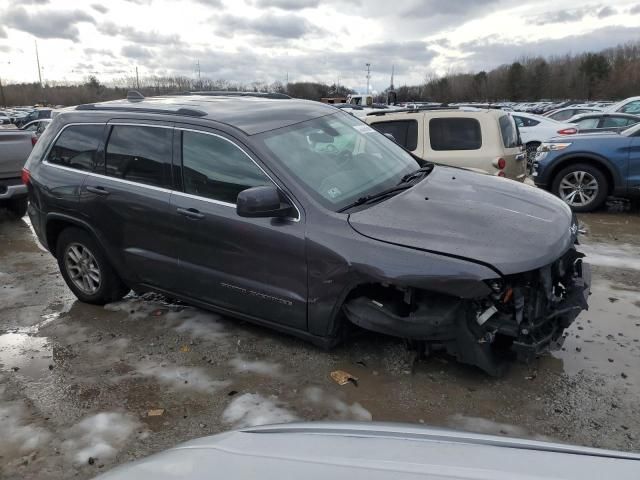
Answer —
34 139
568 131
502 163
26 176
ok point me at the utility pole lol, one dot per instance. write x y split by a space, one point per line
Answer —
199 79
368 65
38 62
392 68
137 79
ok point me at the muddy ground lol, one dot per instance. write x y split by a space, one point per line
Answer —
84 388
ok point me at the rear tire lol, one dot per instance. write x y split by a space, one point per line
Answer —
17 207
86 270
581 186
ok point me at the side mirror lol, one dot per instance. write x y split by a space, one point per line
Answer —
390 137
261 202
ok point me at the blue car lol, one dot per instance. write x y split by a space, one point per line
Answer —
583 170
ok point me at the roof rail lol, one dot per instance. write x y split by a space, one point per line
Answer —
134 96
410 110
223 93
189 112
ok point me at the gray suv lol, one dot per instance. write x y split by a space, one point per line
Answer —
298 216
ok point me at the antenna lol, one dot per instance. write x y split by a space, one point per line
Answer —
38 62
368 65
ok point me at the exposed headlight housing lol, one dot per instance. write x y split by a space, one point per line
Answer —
553 147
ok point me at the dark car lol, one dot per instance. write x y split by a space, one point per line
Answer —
298 216
604 122
583 170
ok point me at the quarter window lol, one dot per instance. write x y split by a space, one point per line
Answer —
405 132
525 122
455 134
76 147
140 154
215 168
509 132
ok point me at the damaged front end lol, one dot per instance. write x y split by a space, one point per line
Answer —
524 316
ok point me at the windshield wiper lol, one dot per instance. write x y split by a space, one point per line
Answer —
421 172
377 196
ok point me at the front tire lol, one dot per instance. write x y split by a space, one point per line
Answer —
581 186
86 270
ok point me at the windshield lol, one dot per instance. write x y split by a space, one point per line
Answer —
339 158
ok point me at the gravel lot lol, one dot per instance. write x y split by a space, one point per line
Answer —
84 388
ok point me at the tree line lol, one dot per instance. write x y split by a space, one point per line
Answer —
610 74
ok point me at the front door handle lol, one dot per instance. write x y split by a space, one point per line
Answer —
97 190
190 213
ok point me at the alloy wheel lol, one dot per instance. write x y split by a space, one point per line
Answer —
578 188
82 268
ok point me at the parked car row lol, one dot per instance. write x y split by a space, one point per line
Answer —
20 116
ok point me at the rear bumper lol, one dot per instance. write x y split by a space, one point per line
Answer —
8 192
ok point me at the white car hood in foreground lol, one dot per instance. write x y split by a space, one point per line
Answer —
373 451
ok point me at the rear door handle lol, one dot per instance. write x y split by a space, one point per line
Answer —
97 190
190 213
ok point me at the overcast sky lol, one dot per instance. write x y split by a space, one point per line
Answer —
317 40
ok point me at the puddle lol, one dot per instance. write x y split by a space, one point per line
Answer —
25 355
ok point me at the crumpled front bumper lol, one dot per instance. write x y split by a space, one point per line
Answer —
544 320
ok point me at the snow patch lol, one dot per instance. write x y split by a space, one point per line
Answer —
616 256
182 378
336 408
99 436
241 365
483 425
253 409
198 325
136 309
18 437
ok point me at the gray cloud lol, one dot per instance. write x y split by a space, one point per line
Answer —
136 52
5 48
491 52
606 12
99 8
137 36
457 8
34 2
97 51
46 23
287 4
3 32
288 26
635 9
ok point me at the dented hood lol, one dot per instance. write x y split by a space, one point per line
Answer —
489 220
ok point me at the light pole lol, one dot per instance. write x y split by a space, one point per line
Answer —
368 65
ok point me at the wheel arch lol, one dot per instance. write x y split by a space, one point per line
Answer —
56 223
589 159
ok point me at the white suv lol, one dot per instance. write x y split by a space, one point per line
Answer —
481 140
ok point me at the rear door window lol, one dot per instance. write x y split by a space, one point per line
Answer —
455 134
140 154
509 132
215 168
611 122
76 147
405 132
